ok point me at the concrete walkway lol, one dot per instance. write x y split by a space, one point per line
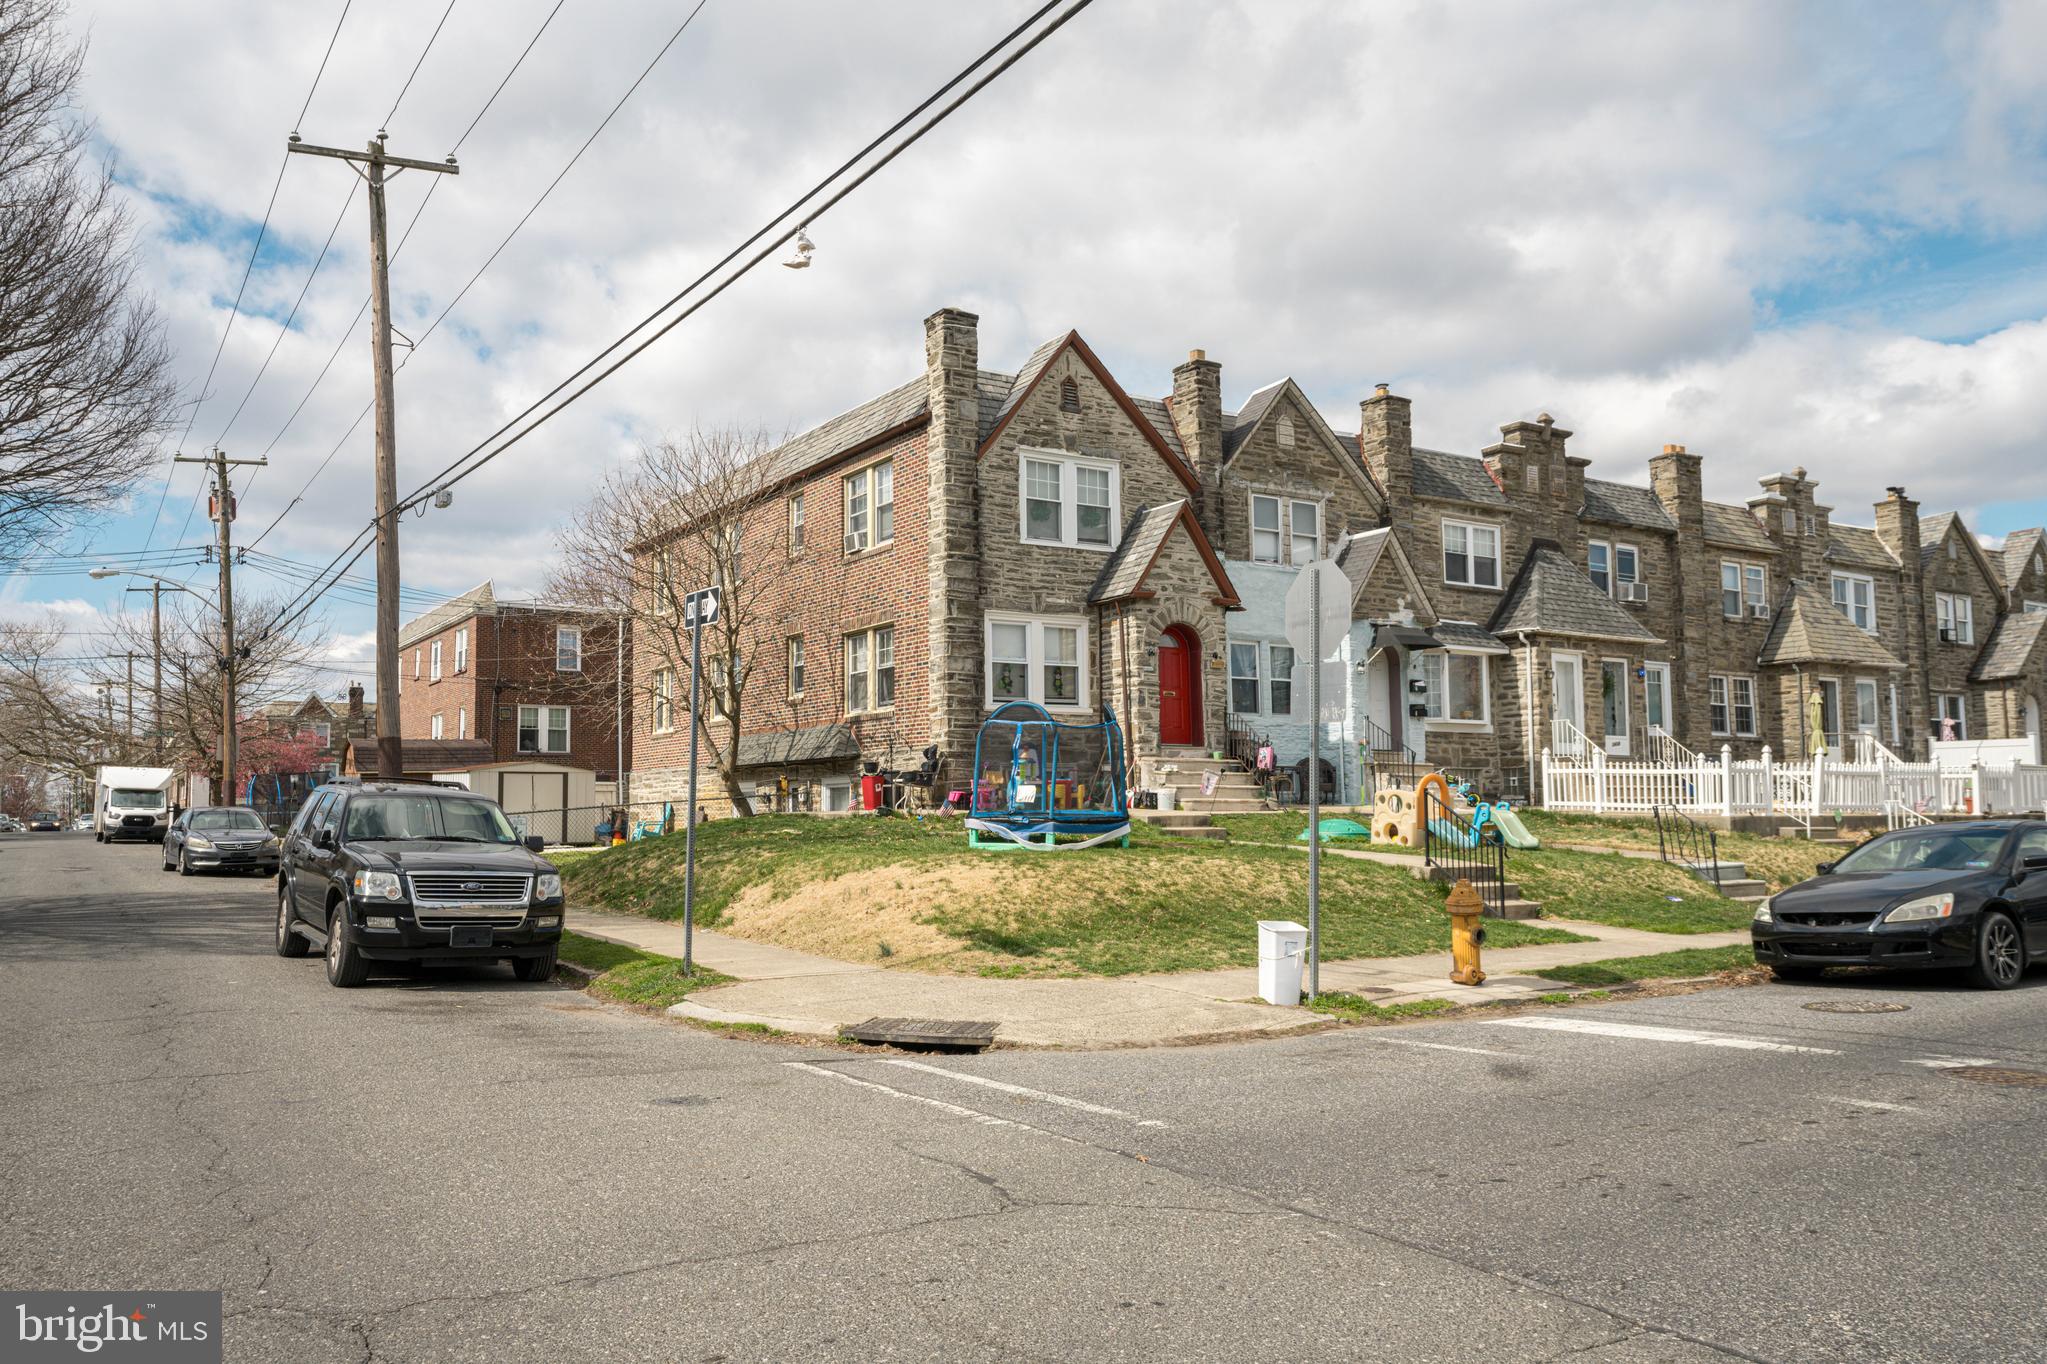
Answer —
816 996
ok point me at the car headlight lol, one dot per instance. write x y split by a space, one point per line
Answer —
545 921
550 885
198 842
1762 914
374 885
269 842
1919 911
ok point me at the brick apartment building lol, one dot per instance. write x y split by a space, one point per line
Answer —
975 535
530 679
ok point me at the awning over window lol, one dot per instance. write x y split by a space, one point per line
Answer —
1408 637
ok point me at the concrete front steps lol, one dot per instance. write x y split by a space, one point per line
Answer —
1181 823
1236 791
1516 906
1733 881
1824 834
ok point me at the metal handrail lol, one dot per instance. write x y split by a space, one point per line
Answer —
1482 861
1568 742
1664 747
1683 841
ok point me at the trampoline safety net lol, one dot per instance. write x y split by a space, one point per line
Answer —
1038 780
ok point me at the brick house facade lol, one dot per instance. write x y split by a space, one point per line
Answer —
1051 536
528 679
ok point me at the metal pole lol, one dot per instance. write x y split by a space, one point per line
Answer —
689 838
1315 793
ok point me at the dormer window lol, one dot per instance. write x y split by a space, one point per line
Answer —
1283 433
1069 396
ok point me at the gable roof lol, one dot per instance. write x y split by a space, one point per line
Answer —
2010 647
2019 547
1735 528
1932 531
480 600
1550 595
1143 538
1809 628
1455 478
1857 547
1941 523
1040 364
1624 504
1462 634
1359 556
1240 428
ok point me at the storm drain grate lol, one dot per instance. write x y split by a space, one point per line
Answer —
2001 1075
1856 1006
945 1033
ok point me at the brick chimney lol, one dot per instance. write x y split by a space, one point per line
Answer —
952 359
1386 437
1198 417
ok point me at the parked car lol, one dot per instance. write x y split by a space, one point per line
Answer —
45 822
10 825
222 838
402 872
1969 896
82 825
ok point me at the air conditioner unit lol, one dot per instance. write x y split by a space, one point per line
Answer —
1635 592
1947 634
1759 611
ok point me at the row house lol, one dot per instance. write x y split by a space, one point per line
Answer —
531 680
976 536
328 722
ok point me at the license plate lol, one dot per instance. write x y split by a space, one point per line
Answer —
469 935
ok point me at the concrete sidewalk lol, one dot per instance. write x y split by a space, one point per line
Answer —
816 996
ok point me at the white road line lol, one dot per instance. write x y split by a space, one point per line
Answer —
1949 1062
1020 1091
1440 1046
1876 1104
970 1114
1645 1033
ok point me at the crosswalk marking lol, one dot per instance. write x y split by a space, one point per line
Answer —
1877 1104
1949 1062
1020 1091
958 1111
1647 1033
1440 1046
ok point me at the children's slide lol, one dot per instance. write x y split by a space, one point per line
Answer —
1512 829
1451 834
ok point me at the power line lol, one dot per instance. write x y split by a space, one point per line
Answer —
421 62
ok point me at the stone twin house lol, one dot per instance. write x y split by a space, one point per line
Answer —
331 723
976 536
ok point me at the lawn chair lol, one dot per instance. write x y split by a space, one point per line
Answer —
654 829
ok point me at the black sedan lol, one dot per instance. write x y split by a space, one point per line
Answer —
227 837
45 822
1967 896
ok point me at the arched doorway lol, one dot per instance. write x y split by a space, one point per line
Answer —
1179 688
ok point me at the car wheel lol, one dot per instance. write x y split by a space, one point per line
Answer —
346 968
184 863
534 968
2000 955
289 943
1797 972
166 860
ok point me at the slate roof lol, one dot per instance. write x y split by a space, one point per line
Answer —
2018 547
1462 634
1550 595
1624 504
1360 554
1028 375
1124 574
478 600
870 419
1161 418
1809 628
1239 426
2010 647
1734 528
1857 547
1455 478
818 743
1932 531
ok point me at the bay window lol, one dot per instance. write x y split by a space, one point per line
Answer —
1037 658
1067 501
1471 554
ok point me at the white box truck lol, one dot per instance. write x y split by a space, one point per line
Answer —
132 802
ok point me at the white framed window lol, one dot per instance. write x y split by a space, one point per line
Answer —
1744 706
568 649
1868 718
1037 658
1897 732
1955 614
436 729
1855 595
1599 565
1244 679
543 729
1457 691
1744 589
1281 687
1265 541
1627 570
1716 705
1949 706
1731 706
462 722
870 496
1471 554
871 670
415 665
1614 568
1304 525
795 666
322 730
796 524
664 700
1066 501
462 650
433 667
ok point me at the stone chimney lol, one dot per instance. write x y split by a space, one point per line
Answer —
1786 511
952 359
1535 473
1198 417
1386 437
1676 478
1897 525
355 710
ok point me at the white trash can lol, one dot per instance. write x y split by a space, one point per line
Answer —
1167 796
1282 948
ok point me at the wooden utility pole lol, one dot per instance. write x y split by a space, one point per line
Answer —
380 170
156 591
224 516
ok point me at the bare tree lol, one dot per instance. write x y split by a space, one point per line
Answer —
85 384
687 514
50 721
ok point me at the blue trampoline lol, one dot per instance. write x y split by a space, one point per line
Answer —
1037 780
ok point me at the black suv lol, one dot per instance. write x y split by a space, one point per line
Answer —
386 872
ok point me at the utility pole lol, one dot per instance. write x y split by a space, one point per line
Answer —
382 169
224 515
156 589
131 698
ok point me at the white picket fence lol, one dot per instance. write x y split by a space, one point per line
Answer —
1803 791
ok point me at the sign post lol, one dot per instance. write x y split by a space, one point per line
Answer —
1317 620
699 608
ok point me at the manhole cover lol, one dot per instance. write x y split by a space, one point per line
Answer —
681 1101
2001 1075
1856 1006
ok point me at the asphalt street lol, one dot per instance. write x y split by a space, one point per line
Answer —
454 1166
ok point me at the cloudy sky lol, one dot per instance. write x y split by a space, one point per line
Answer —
1781 234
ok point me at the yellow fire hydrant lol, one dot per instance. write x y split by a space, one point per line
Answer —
1466 934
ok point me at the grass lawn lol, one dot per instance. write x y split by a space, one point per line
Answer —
1691 961
1626 892
911 893
630 976
1780 862
1287 826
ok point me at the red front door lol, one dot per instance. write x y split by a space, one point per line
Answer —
1179 688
